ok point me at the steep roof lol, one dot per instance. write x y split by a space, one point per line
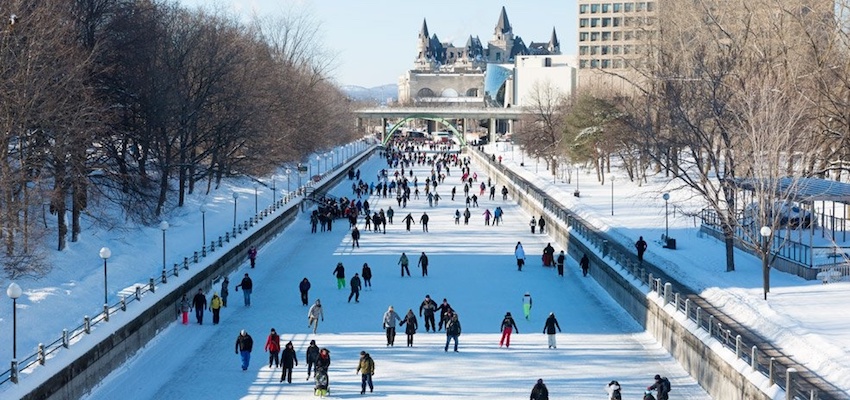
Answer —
554 39
503 25
424 31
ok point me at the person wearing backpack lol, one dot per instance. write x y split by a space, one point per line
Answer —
661 387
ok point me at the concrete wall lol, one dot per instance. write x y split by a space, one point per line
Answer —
88 370
720 379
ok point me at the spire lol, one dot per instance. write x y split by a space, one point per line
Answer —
503 25
553 41
424 31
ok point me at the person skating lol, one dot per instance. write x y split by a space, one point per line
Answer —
508 326
252 255
390 319
244 345
452 331
355 288
504 193
428 307
466 215
339 272
560 263
613 389
423 263
457 217
390 214
549 330
304 288
584 263
273 347
424 221
411 325
247 286
407 221
215 307
445 313
355 238
366 368
403 261
323 363
487 215
520 256
526 305
367 276
311 356
183 308
288 359
661 387
539 391
640 246
225 291
314 314
199 303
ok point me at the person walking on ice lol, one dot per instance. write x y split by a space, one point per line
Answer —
526 305
532 224
244 345
314 314
452 331
273 347
339 272
549 329
403 261
366 368
539 391
640 246
390 319
288 359
355 288
508 326
520 256
312 355
247 286
423 263
407 221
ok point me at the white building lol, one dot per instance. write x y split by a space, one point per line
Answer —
534 76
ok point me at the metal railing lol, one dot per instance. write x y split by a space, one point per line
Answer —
777 373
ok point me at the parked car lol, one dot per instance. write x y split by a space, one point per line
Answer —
786 213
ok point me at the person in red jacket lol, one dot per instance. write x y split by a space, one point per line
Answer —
273 347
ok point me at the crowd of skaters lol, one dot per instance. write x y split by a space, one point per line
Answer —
356 208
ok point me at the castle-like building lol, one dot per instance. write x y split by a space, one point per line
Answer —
443 73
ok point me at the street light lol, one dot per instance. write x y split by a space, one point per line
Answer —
235 196
274 195
164 226
14 292
611 177
765 265
105 253
318 165
666 197
288 171
203 209
256 186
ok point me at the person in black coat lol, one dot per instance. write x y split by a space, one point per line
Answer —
287 359
541 223
640 246
661 386
355 288
355 237
539 391
445 313
428 306
367 275
560 263
508 326
199 302
549 329
247 286
311 357
423 262
244 345
412 325
304 288
584 264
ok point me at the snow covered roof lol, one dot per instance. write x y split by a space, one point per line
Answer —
805 189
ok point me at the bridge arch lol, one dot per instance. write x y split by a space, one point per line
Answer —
460 137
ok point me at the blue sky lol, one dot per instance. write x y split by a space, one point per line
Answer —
376 39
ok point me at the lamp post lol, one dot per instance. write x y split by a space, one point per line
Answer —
318 165
299 176
256 186
203 209
235 197
328 160
105 253
666 197
765 264
164 226
611 177
274 195
14 292
288 171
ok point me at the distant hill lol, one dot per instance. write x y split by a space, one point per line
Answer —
378 94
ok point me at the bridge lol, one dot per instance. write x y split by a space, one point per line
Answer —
442 115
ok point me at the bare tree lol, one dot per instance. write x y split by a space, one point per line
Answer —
541 132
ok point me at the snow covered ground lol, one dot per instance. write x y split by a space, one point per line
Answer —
472 267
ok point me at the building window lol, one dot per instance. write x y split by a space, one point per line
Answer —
606 36
650 6
594 36
582 64
606 64
594 22
606 8
594 63
615 50
628 7
605 50
594 8
617 64
582 22
451 54
627 49
628 35
582 9
594 50
547 62
606 22
640 6
618 7
582 37
616 21
582 50
617 36
628 21
498 56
